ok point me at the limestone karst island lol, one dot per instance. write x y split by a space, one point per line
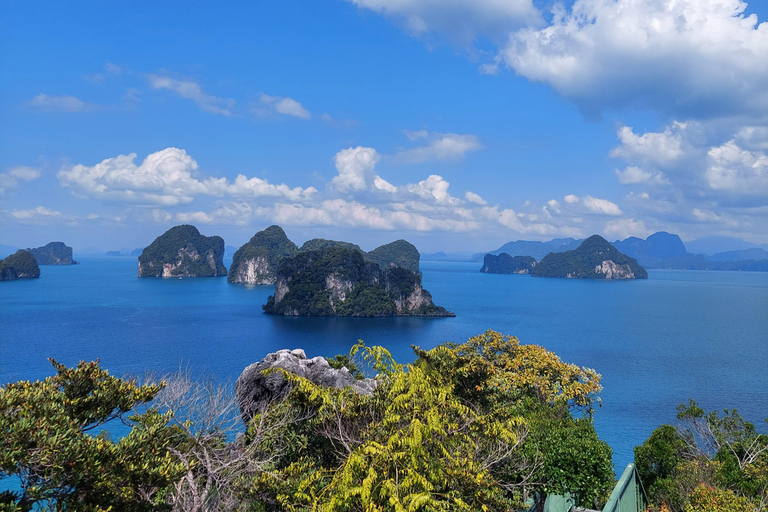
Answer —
321 278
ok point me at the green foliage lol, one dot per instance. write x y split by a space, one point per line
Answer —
340 361
272 244
318 244
399 253
447 432
709 463
178 246
20 265
48 444
711 499
573 460
581 262
656 461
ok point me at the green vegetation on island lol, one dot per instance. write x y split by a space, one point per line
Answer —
256 261
54 253
183 252
317 244
20 265
595 258
506 264
338 281
399 253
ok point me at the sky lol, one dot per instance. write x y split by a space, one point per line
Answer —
458 125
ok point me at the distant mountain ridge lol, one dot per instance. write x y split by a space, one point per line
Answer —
661 250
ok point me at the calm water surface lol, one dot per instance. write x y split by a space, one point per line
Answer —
678 335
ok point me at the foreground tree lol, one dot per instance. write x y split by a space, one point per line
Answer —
48 443
474 426
709 463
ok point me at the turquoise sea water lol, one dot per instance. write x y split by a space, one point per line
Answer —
678 335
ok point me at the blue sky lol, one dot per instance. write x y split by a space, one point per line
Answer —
459 125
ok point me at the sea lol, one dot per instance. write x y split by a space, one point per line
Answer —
659 342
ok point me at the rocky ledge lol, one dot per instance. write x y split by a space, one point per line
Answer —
255 390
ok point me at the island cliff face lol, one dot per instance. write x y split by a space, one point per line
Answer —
338 281
506 264
21 265
54 253
183 252
595 258
256 261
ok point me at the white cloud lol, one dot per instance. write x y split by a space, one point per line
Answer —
633 175
441 146
36 214
11 178
191 90
571 199
355 167
733 169
624 228
283 105
601 206
382 184
474 198
164 178
59 103
660 148
433 188
458 20
194 217
690 57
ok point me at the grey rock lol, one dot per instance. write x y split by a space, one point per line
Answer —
255 390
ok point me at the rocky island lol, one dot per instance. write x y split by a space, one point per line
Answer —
20 265
256 261
595 258
341 281
183 252
506 264
54 253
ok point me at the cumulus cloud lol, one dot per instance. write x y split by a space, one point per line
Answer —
165 178
11 178
282 105
601 206
458 20
355 168
683 57
440 146
433 188
733 169
474 198
191 90
59 103
571 199
661 148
